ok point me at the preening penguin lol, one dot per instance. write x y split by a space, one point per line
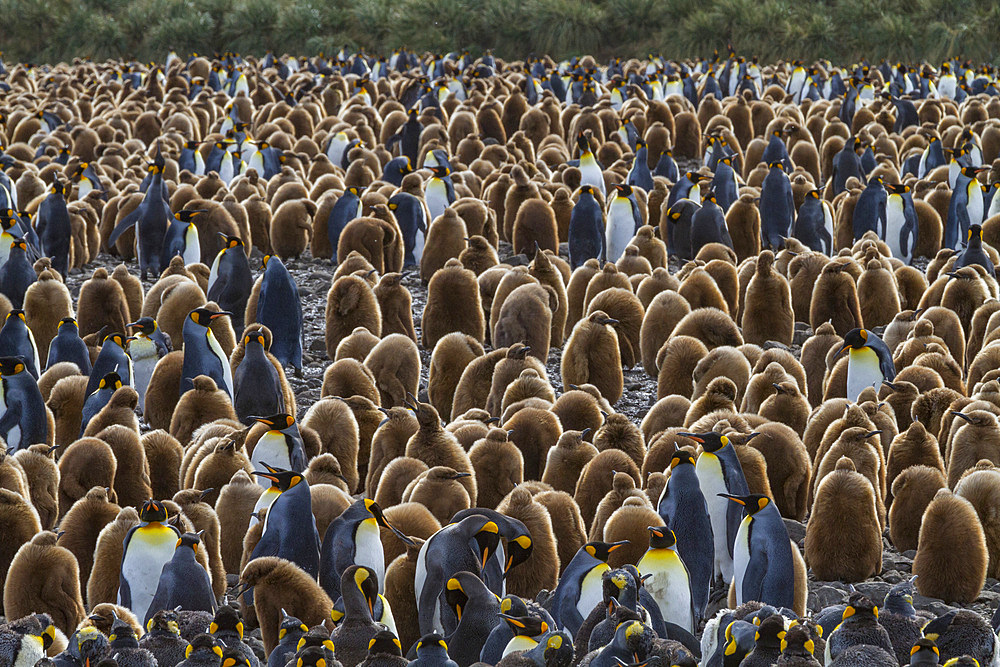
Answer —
869 364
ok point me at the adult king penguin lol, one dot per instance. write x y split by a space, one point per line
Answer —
289 527
762 555
151 219
669 582
581 586
230 282
146 549
623 221
586 229
23 421
280 310
900 222
182 237
870 362
353 538
202 353
281 445
719 472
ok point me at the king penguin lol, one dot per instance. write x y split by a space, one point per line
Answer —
145 349
411 215
870 362
16 340
814 223
439 191
257 385
444 554
669 581
111 359
623 221
581 586
202 353
762 556
17 274
68 346
965 208
150 219
719 472
354 538
591 172
281 445
182 237
95 402
183 582
974 253
289 527
900 222
23 421
777 206
54 228
346 208
586 229
683 508
280 310
230 282
146 549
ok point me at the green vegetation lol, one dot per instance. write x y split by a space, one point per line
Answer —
841 30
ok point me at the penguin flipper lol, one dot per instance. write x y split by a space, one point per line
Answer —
127 222
753 579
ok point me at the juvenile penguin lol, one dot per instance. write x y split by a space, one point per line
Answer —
592 356
44 578
941 571
767 313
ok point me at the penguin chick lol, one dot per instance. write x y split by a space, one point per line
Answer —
86 463
350 303
452 284
437 447
395 365
44 578
788 406
565 461
592 356
389 442
106 571
119 411
101 304
235 504
46 303
912 490
835 299
844 505
204 404
43 473
395 304
281 585
581 408
440 490
619 432
941 571
541 569
452 354
499 467
767 313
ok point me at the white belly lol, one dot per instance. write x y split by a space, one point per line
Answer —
709 471
437 198
30 653
670 586
741 557
894 222
149 550
519 643
591 590
272 449
590 174
621 229
143 370
862 371
265 501
368 550
994 210
192 247
387 618
227 370
975 203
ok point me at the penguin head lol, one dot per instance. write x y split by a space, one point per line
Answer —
379 516
153 511
164 621
111 381
367 582
430 644
204 316
514 605
661 537
525 626
188 216
115 338
385 642
122 634
440 171
962 661
232 657
144 325
752 503
19 245
624 190
519 549
290 624
278 422
192 145
255 336
859 605
11 365
583 142
16 314
226 619
455 596
797 641
283 479
972 171
709 441
925 646
488 539
856 338
681 457
897 188
231 241
976 232
602 550
190 540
